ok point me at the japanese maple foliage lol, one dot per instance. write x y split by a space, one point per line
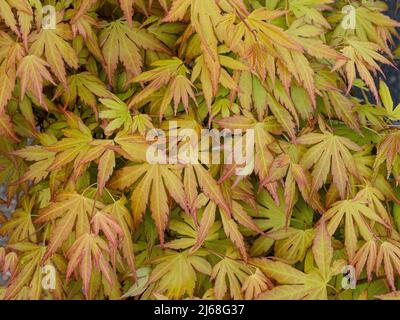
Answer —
94 219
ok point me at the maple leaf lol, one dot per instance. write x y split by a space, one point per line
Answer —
195 236
356 215
12 169
364 57
366 257
143 275
388 151
105 222
205 16
123 217
141 123
153 182
85 85
230 273
11 51
369 20
42 161
298 65
270 214
242 217
105 169
206 182
389 255
311 11
7 78
32 254
132 147
393 112
84 27
127 8
201 71
287 164
70 211
374 199
118 111
23 7
82 9
231 229
86 251
297 285
343 108
121 43
269 34
267 41
10 55
172 74
177 284
252 95
80 147
330 153
54 46
20 227
263 135
255 284
32 71
292 244
74 146
7 127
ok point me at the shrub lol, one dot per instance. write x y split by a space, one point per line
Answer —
88 89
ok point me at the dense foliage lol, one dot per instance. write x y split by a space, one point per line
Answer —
77 102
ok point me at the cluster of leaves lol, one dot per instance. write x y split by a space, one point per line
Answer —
76 103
